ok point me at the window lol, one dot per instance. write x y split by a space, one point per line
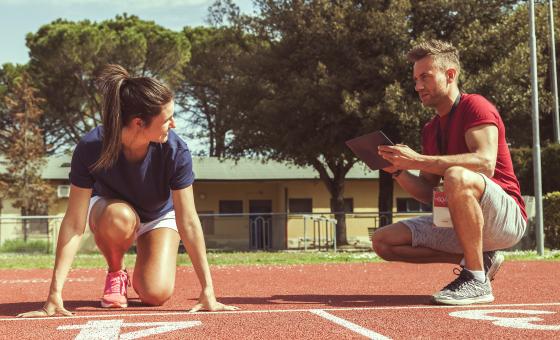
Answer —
300 205
348 205
412 205
231 207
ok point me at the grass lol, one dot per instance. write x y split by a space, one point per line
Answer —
21 246
33 261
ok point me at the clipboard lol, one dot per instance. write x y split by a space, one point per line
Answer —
365 147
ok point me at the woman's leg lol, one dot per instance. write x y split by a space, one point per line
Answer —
156 263
113 223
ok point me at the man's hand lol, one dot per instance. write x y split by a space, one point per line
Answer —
207 301
400 156
54 306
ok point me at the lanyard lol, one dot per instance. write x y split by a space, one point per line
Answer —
442 136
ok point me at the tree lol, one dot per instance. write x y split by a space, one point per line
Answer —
66 56
506 79
322 73
213 82
24 154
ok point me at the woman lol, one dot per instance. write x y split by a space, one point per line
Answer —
131 179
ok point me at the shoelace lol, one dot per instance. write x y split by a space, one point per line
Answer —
459 281
118 282
463 282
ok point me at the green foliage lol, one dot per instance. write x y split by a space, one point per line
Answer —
320 78
21 246
215 88
66 56
325 73
497 65
522 159
551 211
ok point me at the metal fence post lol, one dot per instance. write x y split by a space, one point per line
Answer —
304 232
334 233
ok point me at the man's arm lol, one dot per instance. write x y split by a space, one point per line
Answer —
482 141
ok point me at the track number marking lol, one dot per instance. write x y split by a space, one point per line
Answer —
110 329
349 325
512 322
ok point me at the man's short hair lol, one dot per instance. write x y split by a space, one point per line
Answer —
444 54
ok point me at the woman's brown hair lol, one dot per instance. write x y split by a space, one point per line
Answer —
125 98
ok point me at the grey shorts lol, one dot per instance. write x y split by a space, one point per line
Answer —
503 226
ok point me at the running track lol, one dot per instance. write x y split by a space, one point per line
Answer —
331 301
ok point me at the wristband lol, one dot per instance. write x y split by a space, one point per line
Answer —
396 174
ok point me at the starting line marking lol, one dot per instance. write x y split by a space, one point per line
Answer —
96 316
110 329
350 325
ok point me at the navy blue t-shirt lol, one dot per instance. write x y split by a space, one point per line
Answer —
145 184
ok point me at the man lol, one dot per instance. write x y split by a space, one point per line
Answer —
465 145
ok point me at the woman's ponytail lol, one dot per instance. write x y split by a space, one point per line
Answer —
110 82
125 98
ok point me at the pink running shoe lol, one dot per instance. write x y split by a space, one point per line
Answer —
114 295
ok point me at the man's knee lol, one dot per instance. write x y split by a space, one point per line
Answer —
455 177
458 180
382 250
385 238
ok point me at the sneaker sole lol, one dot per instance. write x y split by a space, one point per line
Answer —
479 299
113 305
495 267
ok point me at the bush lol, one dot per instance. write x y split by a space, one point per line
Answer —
551 212
20 246
522 159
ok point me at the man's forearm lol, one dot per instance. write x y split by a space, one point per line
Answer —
439 164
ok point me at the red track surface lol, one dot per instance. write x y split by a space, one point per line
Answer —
388 300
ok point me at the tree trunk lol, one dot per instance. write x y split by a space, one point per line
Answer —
385 198
337 207
220 145
335 186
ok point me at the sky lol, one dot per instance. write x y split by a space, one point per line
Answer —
19 17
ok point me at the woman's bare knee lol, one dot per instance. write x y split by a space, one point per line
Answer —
155 296
116 220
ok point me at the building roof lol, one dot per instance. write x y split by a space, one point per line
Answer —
214 169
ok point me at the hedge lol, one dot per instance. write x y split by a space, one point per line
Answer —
522 159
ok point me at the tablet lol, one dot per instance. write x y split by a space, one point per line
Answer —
365 147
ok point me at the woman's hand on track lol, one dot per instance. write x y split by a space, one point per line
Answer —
53 307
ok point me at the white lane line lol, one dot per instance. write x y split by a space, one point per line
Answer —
281 311
75 279
350 325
